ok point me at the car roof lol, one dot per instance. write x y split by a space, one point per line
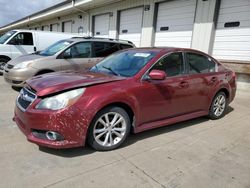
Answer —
96 39
165 49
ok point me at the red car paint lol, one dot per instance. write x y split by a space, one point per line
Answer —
153 103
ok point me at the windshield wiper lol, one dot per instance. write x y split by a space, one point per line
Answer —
111 70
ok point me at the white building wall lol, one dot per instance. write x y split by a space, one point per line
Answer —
113 9
78 20
232 42
203 29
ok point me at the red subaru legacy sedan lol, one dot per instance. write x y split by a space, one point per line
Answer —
131 90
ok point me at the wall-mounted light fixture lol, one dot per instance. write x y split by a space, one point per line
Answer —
146 7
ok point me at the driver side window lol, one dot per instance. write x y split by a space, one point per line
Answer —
171 64
22 39
79 50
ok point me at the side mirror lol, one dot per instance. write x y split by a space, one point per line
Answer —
157 75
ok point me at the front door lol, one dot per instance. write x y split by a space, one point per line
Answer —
22 44
166 98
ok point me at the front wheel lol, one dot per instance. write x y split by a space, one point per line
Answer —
109 129
3 62
218 106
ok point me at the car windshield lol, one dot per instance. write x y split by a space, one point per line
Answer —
54 48
126 63
6 36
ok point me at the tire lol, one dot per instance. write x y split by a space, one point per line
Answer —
218 106
102 127
3 62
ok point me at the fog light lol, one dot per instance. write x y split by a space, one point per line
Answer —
53 136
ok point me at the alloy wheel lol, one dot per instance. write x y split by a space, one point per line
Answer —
109 129
219 105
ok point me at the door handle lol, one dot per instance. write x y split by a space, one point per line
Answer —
183 84
34 49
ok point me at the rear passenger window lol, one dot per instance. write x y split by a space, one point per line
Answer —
200 64
22 39
103 49
79 50
171 64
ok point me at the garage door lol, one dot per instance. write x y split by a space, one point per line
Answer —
54 27
174 23
232 35
67 27
101 25
131 25
45 28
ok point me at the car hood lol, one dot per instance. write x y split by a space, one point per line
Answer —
57 82
24 58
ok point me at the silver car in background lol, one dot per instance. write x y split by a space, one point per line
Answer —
77 54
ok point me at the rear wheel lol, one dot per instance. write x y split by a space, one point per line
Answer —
109 129
218 106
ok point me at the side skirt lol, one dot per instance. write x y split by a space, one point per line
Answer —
165 122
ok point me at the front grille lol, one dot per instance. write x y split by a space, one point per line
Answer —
10 66
25 98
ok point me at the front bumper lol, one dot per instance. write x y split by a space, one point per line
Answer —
70 123
17 77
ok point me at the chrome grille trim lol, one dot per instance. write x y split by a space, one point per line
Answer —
26 96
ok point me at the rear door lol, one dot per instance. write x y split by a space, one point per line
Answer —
102 50
202 79
77 57
22 43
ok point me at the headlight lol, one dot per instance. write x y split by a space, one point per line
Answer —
22 65
60 101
